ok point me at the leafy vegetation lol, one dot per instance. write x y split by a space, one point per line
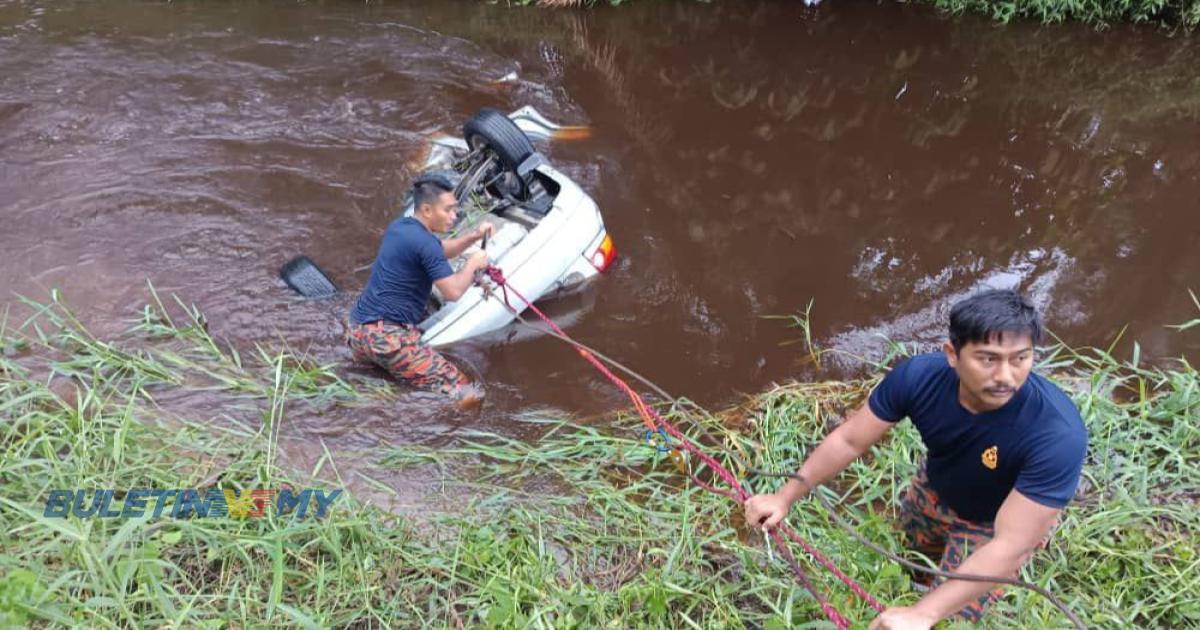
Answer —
586 527
1100 12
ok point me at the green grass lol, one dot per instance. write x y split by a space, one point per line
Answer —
1097 12
586 527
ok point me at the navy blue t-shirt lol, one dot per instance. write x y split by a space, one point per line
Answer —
1035 443
410 260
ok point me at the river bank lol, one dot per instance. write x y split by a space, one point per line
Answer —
1172 13
586 527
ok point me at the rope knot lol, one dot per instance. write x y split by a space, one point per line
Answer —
495 274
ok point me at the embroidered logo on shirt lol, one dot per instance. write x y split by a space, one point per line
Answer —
990 457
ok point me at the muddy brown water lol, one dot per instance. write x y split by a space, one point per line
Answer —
879 160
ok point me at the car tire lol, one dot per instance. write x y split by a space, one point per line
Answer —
501 134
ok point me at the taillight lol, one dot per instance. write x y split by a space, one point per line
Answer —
604 254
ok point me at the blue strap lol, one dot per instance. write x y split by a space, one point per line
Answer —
665 446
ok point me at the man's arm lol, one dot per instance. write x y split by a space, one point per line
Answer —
845 444
453 247
1021 525
454 286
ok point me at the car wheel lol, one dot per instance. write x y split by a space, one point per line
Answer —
503 136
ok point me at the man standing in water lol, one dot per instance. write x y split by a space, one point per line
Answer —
1005 449
411 261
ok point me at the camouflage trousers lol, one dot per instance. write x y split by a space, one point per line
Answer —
398 349
935 530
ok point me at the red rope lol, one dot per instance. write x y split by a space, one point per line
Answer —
654 422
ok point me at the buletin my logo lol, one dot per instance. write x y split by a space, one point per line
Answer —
187 502
990 457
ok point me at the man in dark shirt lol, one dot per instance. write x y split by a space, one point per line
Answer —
411 261
1005 449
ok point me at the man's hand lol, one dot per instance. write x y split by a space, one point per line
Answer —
764 511
454 247
484 230
478 260
453 287
903 618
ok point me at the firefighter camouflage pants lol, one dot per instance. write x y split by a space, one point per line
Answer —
935 530
399 350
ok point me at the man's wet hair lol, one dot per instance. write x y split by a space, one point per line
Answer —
988 315
428 187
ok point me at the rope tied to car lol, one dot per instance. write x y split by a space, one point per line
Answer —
656 424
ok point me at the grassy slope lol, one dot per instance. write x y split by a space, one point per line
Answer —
1098 12
620 539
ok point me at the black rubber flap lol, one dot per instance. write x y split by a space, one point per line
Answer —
306 278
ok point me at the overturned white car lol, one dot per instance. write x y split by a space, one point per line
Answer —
549 239
549 236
